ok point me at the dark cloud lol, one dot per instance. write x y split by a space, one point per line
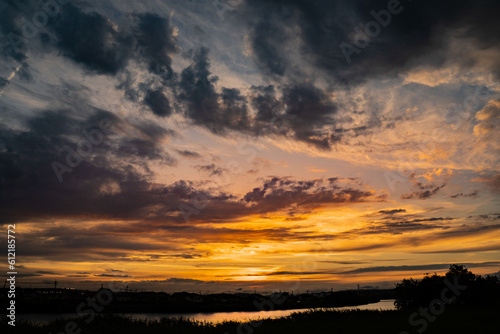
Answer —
391 212
24 72
488 248
189 154
240 235
415 241
177 256
76 242
489 217
153 131
281 192
92 40
473 194
422 191
426 267
302 112
423 194
205 106
345 262
309 109
3 83
461 231
12 41
68 241
47 272
156 41
435 233
211 169
113 275
106 175
294 108
96 167
267 37
401 226
141 149
158 102
284 272
419 267
266 103
102 46
361 248
413 34
306 117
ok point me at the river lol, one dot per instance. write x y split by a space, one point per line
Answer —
216 317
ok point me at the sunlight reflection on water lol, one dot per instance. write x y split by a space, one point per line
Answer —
217 317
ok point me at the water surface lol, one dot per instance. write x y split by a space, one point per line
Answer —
215 317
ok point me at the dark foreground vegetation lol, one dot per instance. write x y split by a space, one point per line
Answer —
453 320
458 286
458 302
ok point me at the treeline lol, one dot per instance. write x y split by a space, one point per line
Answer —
458 287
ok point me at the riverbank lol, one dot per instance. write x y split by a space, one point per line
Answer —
452 320
213 317
60 301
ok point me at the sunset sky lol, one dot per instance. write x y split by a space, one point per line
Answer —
233 145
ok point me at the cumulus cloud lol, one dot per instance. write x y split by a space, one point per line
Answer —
205 106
